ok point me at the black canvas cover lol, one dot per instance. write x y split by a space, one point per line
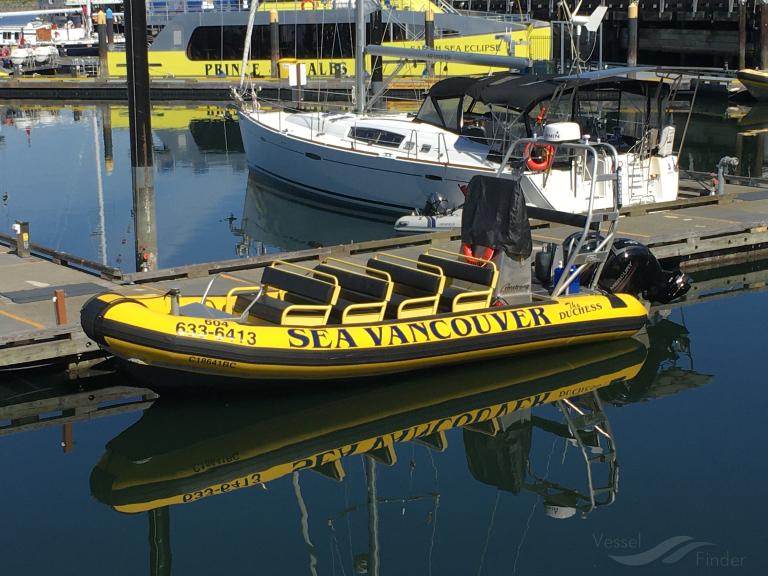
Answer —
495 215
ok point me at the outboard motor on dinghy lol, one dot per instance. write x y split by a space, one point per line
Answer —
631 268
435 205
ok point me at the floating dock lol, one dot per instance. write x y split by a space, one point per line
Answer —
41 295
162 89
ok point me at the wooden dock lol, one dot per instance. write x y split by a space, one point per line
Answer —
191 89
707 232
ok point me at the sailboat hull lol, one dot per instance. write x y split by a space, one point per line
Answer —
375 182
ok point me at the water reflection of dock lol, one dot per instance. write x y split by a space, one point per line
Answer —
53 399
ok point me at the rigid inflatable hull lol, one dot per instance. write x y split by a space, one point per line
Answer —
136 330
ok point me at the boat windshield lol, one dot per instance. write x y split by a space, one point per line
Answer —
443 112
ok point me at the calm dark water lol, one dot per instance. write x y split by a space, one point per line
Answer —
231 485
473 470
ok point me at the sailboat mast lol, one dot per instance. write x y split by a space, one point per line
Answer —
360 56
248 35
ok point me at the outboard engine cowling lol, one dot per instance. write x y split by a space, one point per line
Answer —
632 268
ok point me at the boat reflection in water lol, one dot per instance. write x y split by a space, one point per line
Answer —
186 450
277 218
180 452
254 441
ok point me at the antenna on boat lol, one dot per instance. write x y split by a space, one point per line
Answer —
247 46
591 23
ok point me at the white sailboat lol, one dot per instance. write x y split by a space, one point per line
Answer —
395 163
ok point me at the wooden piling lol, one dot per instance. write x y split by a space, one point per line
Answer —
274 41
377 36
742 34
632 34
101 31
67 438
140 127
429 37
764 36
110 29
60 307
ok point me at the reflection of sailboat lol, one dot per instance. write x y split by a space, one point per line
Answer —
275 216
243 444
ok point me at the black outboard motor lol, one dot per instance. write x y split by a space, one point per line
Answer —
632 268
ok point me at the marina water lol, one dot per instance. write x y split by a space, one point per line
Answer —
277 482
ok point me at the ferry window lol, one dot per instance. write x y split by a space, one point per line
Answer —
226 43
304 41
376 136
314 41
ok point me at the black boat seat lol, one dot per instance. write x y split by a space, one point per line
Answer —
293 295
364 291
417 288
468 286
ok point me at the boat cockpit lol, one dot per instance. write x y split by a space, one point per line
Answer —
616 108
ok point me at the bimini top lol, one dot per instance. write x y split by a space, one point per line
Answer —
524 91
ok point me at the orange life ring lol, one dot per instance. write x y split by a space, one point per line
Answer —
310 2
542 163
469 254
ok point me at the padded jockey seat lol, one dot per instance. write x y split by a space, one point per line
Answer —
417 286
468 286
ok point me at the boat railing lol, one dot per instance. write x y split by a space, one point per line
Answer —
519 18
414 138
579 258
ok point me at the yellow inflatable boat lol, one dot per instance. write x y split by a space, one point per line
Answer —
303 323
